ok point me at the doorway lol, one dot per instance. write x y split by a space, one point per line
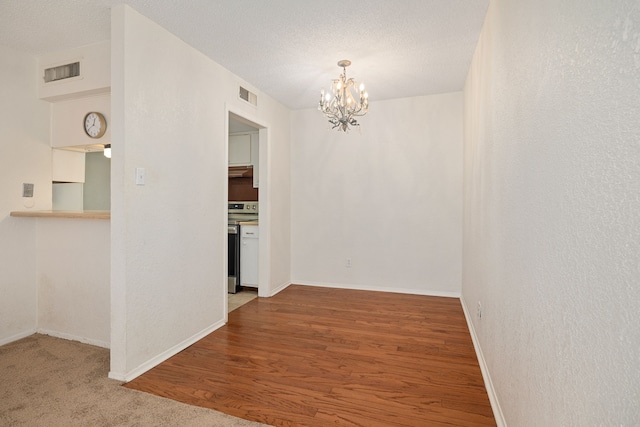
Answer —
246 148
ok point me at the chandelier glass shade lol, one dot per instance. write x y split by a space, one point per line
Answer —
340 105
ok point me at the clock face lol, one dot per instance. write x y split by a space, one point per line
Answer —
95 125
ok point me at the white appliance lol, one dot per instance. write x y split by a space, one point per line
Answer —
249 255
237 212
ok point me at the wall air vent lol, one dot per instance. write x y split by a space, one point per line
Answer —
250 97
62 72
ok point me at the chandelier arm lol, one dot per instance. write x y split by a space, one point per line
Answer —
342 108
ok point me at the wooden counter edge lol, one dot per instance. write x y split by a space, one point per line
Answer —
63 214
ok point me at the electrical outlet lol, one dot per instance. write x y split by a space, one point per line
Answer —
479 311
27 190
348 263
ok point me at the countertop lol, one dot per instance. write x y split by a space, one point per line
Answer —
64 214
248 222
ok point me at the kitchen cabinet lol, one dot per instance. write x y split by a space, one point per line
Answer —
249 255
255 159
240 150
244 150
67 166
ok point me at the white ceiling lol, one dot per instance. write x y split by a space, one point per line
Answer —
285 48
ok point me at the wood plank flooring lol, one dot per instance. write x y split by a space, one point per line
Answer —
319 356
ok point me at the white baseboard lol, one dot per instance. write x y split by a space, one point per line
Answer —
379 289
155 361
72 337
493 398
17 337
279 289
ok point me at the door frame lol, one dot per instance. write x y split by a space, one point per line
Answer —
264 198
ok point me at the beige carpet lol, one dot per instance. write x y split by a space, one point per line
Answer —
46 381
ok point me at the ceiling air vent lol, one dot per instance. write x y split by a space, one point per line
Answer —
250 97
62 72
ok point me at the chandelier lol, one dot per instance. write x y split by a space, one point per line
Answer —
339 104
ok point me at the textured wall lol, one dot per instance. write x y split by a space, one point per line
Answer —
73 279
551 217
165 260
168 270
388 196
25 156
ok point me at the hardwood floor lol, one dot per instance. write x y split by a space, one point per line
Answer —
319 356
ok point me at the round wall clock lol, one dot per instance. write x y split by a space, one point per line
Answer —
95 125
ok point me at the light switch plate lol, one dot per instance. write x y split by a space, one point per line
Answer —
139 176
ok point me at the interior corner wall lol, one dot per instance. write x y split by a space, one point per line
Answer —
387 196
73 279
25 157
551 224
168 236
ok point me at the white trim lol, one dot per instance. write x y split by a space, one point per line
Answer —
155 361
72 337
379 289
488 384
279 289
225 224
264 251
264 196
17 337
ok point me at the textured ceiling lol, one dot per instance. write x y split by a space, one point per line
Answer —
286 48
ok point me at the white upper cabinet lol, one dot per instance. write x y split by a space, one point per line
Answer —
240 150
244 150
67 166
255 158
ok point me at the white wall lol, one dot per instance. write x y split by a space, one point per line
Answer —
25 156
551 219
388 196
275 180
67 124
168 239
95 76
73 279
